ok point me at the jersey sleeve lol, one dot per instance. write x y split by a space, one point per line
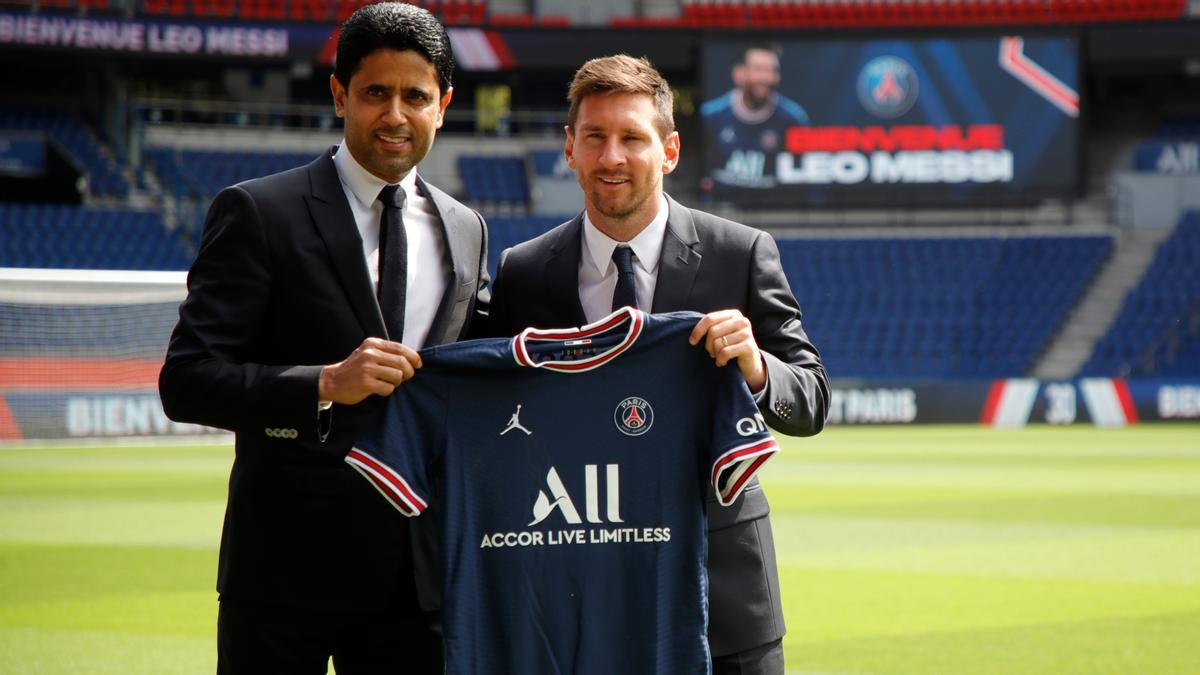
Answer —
398 451
741 440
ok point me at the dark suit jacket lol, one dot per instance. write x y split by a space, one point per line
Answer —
279 288
707 264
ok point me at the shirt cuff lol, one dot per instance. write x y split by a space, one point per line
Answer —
761 394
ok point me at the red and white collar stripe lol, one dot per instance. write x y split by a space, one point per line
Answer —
635 319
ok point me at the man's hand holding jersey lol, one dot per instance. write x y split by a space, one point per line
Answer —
377 367
728 336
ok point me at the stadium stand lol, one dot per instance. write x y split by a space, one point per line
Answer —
73 237
507 231
200 174
96 159
493 180
1157 332
938 308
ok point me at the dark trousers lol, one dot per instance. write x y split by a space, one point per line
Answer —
764 660
254 639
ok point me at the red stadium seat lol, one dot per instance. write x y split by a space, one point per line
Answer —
506 20
346 7
312 10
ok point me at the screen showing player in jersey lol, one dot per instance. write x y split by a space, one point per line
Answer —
746 125
892 121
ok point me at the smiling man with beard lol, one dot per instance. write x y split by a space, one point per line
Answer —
312 291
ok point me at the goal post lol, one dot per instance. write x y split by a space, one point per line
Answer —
80 352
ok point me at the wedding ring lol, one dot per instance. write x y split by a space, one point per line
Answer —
725 340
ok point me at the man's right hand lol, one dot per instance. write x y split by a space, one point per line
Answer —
377 366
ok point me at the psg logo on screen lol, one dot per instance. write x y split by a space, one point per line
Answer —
887 86
633 416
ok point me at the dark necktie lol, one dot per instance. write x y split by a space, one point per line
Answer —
393 261
626 293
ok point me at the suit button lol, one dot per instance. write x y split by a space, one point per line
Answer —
783 409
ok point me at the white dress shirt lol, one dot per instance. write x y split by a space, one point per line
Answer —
427 271
598 272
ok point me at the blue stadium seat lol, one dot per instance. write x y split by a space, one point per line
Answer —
74 237
1157 332
937 308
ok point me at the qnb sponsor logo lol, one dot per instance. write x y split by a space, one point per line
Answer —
873 406
1179 402
555 498
749 426
123 416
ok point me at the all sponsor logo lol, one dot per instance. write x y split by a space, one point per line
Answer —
554 498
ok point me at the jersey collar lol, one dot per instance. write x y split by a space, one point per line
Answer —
633 319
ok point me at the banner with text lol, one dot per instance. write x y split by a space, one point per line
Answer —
891 122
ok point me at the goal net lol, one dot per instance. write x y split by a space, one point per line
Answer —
80 352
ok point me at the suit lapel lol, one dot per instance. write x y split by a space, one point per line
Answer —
679 262
448 212
334 221
561 276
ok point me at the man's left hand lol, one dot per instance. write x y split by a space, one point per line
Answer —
727 336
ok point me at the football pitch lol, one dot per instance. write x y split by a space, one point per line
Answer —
927 550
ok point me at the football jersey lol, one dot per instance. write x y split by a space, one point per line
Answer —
572 469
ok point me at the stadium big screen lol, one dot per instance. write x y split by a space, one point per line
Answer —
952 121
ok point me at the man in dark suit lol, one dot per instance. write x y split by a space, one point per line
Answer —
632 243
312 290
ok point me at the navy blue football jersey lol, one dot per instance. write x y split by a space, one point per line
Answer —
572 468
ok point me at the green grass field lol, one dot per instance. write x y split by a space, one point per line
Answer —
902 550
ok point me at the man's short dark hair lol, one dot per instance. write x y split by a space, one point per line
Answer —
393 25
773 48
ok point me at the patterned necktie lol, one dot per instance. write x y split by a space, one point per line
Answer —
393 261
626 293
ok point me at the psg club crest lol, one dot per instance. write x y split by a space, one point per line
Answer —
633 416
887 86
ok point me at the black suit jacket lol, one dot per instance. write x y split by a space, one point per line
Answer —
279 288
707 264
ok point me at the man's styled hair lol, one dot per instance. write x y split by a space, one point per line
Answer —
769 47
393 25
623 74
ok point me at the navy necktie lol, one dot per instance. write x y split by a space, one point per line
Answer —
626 293
393 261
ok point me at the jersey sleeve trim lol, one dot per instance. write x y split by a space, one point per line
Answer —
388 481
635 319
736 467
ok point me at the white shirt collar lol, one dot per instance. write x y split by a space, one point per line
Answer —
647 245
363 184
